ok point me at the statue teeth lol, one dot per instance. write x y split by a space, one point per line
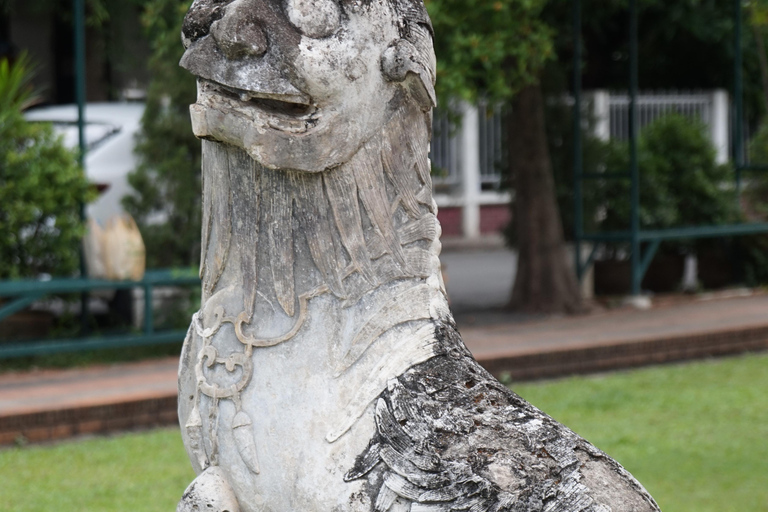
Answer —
288 125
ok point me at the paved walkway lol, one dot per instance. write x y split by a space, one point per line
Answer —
627 325
503 345
44 390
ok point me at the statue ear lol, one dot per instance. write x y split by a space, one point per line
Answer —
401 62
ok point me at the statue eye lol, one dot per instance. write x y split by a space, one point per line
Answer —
314 18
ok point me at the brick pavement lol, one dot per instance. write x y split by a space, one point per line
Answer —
51 404
44 390
619 326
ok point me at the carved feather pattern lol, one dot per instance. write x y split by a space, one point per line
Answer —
369 176
278 225
315 224
376 246
218 195
419 146
425 197
398 162
424 228
341 188
412 304
244 179
449 437
416 259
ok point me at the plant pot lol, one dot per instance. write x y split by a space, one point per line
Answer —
26 325
715 269
613 277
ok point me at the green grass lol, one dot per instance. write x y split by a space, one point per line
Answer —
136 472
695 435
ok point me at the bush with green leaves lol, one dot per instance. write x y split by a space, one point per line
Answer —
753 249
41 186
756 182
681 183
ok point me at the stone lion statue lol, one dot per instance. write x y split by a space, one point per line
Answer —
324 371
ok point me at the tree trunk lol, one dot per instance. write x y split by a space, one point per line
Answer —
545 280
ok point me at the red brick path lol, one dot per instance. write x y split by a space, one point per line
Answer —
54 404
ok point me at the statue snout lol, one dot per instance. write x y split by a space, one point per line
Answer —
239 33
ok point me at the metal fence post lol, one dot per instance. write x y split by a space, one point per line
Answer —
738 115
578 198
149 321
79 27
633 168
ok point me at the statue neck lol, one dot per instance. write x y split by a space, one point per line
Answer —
335 271
282 236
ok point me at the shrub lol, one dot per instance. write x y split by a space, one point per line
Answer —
756 183
681 183
754 248
41 187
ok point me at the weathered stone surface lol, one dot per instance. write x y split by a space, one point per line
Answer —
209 492
323 371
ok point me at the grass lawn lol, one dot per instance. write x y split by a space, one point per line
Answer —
695 435
135 472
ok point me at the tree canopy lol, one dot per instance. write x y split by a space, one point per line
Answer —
488 48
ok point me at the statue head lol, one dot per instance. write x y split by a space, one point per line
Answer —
303 84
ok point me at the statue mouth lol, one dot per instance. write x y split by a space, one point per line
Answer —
293 113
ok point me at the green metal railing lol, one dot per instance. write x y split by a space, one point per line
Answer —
641 257
22 293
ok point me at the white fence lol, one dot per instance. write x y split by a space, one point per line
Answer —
446 151
467 162
468 159
611 112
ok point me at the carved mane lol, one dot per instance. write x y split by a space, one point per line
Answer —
284 236
363 223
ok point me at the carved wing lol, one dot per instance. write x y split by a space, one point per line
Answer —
414 470
451 438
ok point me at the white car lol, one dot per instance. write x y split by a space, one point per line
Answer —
110 133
